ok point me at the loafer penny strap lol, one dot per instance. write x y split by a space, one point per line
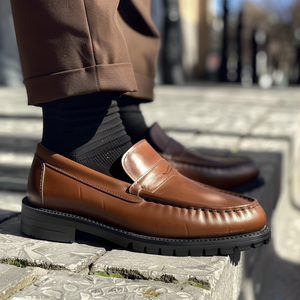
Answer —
146 168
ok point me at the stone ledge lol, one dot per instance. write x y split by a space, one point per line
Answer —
14 245
63 285
14 279
210 273
10 205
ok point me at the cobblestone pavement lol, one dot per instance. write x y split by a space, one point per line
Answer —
226 119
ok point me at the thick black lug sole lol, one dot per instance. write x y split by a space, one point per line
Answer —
58 226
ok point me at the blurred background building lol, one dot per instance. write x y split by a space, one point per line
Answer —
246 42
10 69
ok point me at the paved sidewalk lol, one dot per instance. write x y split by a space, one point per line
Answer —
265 124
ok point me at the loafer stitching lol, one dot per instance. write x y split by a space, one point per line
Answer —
42 183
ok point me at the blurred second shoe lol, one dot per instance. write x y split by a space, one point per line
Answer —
223 172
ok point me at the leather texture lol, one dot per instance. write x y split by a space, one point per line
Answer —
222 172
160 202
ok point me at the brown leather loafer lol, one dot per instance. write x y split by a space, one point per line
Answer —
223 172
160 212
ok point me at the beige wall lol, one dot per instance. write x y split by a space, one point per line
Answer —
194 15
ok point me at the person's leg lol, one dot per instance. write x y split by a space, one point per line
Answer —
143 42
74 67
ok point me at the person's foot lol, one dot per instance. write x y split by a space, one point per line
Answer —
161 212
223 172
87 129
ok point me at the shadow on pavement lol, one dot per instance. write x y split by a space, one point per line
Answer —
272 278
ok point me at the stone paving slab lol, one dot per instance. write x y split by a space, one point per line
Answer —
12 158
13 103
10 204
14 178
30 127
211 273
6 214
25 146
62 285
228 94
227 110
11 201
14 245
14 279
273 146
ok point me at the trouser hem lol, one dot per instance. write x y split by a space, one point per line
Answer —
145 88
114 77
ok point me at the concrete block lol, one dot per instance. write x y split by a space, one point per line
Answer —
13 279
14 178
21 127
221 275
10 204
63 285
16 98
207 140
14 245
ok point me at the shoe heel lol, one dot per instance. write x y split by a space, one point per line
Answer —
42 225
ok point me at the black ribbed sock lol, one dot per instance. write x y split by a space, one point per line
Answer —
87 129
133 119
